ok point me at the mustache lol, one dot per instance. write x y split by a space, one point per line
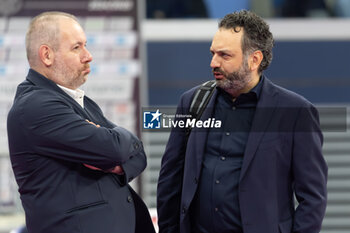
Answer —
218 70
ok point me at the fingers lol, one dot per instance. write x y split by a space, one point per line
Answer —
98 126
116 170
92 167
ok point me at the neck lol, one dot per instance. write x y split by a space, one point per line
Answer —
250 85
42 71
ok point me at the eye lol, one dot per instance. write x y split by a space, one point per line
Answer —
225 55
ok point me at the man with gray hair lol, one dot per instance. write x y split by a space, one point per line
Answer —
72 165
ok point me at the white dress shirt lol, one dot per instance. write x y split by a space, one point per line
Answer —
77 95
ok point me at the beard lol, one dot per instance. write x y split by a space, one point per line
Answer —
70 78
236 81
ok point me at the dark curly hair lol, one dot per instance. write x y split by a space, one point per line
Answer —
256 34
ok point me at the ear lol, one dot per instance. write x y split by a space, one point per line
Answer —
46 55
255 60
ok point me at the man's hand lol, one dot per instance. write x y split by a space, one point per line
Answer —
98 126
116 170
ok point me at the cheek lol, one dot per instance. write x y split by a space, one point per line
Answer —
230 67
73 64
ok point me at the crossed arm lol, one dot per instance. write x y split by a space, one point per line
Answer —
53 129
116 170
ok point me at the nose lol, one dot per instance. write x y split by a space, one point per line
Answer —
214 62
87 57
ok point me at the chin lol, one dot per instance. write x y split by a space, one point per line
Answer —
223 83
83 79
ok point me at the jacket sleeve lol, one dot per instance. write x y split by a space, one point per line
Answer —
51 128
171 177
310 173
134 165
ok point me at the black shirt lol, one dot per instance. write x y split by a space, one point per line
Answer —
216 206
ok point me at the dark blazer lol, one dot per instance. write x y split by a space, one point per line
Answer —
283 157
49 141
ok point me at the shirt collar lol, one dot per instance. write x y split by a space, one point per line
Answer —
257 88
252 96
77 95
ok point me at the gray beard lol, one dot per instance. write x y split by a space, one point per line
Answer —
236 81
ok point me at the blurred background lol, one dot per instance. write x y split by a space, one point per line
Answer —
148 52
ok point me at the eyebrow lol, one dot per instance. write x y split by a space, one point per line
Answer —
80 43
221 51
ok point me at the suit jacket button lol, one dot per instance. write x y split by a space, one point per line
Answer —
184 210
129 199
136 145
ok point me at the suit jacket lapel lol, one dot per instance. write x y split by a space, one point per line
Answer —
264 111
41 81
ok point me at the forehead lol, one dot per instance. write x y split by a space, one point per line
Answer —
227 39
71 31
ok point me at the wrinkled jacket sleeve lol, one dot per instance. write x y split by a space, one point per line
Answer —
51 128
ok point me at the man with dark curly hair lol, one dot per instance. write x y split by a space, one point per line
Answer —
243 176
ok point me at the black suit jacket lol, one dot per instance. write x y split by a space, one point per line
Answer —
49 141
283 157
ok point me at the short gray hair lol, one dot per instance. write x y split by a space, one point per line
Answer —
44 29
